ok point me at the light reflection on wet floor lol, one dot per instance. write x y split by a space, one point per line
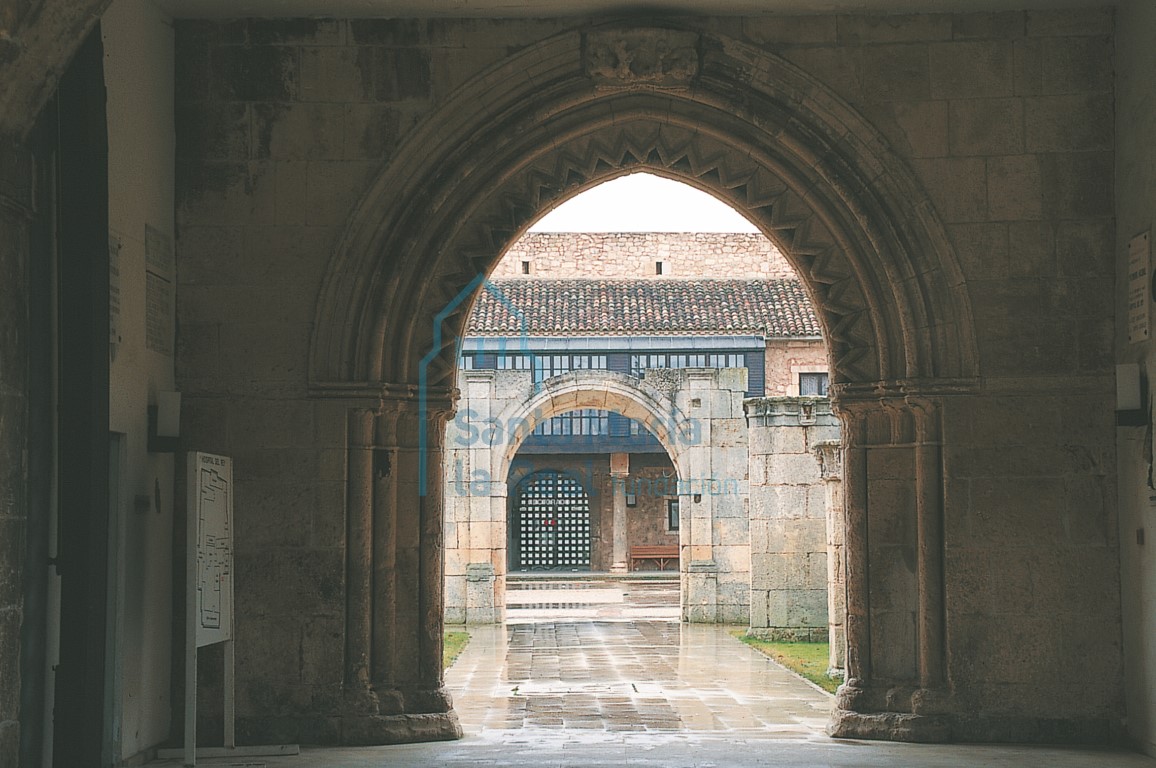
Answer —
610 678
613 658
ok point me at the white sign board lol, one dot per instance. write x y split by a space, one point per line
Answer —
1139 287
211 532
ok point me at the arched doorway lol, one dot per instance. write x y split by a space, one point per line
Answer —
759 134
550 523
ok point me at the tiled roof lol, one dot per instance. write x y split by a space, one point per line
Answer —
776 308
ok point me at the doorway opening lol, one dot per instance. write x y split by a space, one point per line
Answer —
644 413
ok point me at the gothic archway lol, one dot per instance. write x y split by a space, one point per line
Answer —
758 133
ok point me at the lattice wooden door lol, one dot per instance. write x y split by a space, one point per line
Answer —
552 523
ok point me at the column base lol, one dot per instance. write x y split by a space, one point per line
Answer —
362 716
620 568
889 726
349 730
375 730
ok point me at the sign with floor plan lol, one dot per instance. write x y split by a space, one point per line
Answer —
211 533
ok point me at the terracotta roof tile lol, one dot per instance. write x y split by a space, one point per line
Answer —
628 307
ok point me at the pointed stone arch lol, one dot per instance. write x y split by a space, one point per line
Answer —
730 119
744 125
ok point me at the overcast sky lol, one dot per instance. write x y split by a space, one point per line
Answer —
642 202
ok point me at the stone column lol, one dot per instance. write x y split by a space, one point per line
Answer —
619 471
830 453
395 564
359 552
892 521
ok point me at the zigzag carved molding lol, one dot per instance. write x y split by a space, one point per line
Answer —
749 187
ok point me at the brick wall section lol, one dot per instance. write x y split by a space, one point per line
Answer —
633 254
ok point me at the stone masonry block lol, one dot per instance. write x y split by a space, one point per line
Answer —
976 69
884 463
1075 123
777 440
895 656
916 128
332 187
1078 185
837 67
758 602
333 75
1028 67
391 32
298 131
370 131
731 531
780 501
257 73
225 192
986 127
1031 249
895 72
1084 249
735 559
978 26
982 249
958 187
1014 188
397 74
1070 22
1077 65
793 469
898 28
213 130
791 30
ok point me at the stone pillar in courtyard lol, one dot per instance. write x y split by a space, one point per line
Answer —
789 511
830 454
394 599
619 472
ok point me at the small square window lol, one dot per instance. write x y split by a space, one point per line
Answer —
813 384
658 267
525 267
672 514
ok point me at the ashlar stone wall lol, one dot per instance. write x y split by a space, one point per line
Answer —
1005 121
791 513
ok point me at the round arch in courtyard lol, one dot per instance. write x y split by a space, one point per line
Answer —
501 409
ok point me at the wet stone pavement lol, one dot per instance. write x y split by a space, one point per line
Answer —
592 672
576 656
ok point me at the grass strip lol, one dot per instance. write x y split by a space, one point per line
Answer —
452 646
809 660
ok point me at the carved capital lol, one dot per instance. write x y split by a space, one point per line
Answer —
623 58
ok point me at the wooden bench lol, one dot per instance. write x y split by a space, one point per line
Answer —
660 554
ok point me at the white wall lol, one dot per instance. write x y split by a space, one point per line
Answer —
1135 213
138 44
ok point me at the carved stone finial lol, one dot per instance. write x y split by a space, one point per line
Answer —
630 57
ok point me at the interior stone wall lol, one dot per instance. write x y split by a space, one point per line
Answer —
16 210
1005 119
1135 207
